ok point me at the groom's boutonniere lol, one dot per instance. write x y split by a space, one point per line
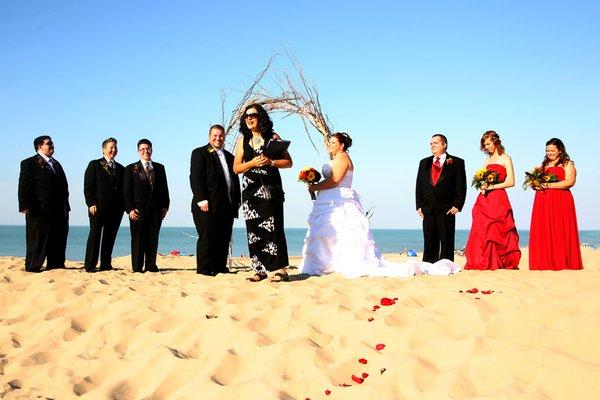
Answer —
104 165
136 169
449 161
42 163
211 149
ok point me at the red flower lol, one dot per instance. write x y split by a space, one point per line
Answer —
357 379
474 290
362 361
387 302
449 161
380 346
327 392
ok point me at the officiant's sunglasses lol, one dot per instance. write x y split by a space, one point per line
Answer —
251 115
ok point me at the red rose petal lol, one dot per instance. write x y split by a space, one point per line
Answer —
487 291
357 379
327 392
387 302
380 346
474 290
362 360
477 298
375 307
371 319
365 375
344 385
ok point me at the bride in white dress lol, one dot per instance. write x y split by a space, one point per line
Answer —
339 238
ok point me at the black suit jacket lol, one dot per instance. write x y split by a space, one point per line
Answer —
208 182
41 191
102 188
450 190
139 193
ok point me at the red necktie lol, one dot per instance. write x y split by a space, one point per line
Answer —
436 170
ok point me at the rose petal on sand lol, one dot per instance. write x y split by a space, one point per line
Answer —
375 307
487 291
380 346
371 319
387 301
357 379
474 290
327 392
365 375
362 360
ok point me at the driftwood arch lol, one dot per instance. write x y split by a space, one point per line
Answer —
294 96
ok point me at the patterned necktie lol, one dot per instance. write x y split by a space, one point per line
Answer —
436 170
51 163
148 172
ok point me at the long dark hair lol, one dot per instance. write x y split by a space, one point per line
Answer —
563 156
495 138
264 123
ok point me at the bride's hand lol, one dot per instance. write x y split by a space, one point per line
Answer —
312 187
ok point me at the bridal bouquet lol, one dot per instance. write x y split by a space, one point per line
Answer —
536 177
309 176
486 176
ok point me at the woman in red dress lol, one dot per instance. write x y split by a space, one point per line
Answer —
493 241
554 237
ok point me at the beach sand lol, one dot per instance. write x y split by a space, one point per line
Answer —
176 335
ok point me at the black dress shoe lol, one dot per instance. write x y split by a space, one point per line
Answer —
107 268
56 267
33 270
152 269
90 270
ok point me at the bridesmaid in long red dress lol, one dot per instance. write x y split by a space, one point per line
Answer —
554 237
493 241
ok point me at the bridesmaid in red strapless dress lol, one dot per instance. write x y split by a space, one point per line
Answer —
554 236
493 241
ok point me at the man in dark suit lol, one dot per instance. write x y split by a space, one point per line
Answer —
215 202
440 193
44 199
146 202
103 191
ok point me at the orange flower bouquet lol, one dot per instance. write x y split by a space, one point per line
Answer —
536 177
309 176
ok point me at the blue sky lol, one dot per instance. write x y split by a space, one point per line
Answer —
390 74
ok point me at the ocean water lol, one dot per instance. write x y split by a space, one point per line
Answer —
12 240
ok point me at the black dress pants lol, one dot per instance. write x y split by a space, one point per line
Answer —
144 240
212 247
438 237
46 239
101 239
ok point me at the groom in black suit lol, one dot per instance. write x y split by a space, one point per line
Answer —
103 191
146 202
215 202
44 199
440 194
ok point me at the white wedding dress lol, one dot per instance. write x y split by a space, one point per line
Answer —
339 239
